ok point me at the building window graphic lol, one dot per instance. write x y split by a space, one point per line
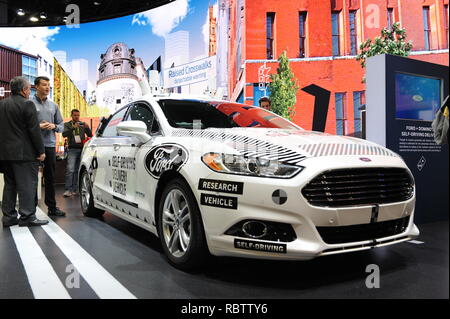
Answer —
353 33
29 68
359 100
341 114
446 24
302 34
321 56
390 18
270 21
427 28
335 32
258 93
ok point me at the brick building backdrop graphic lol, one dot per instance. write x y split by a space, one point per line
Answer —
322 38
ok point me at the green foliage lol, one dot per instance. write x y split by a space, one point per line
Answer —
392 41
283 89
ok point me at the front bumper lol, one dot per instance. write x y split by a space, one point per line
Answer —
306 248
257 203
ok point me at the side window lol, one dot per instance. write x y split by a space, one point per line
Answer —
111 128
140 112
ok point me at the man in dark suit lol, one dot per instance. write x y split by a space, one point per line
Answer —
21 149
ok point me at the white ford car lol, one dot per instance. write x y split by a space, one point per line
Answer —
227 179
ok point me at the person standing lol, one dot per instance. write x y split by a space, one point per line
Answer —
75 132
21 149
51 121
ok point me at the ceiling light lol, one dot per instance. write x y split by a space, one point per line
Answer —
20 12
34 19
43 15
96 3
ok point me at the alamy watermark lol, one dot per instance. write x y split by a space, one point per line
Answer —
73 277
72 20
373 279
372 19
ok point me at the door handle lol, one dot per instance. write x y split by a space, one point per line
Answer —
116 146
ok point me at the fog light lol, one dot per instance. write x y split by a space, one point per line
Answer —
264 230
254 229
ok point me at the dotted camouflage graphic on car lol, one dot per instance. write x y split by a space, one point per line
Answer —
253 147
247 146
332 149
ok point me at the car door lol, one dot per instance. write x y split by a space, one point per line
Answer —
139 187
105 148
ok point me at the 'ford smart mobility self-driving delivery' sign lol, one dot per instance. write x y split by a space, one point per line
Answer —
198 71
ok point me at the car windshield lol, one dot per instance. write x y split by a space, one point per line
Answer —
198 114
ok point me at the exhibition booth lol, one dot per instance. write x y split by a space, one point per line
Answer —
241 149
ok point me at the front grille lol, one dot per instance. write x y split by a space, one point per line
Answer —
348 234
359 186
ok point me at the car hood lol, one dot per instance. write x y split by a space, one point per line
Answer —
288 145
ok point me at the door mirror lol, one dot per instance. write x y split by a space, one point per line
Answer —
136 129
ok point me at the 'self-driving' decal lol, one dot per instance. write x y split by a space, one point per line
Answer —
219 201
221 186
165 157
260 246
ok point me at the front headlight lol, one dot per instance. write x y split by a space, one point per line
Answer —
251 166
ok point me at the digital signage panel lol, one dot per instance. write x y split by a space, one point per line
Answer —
416 97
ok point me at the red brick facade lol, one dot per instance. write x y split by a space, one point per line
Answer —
338 74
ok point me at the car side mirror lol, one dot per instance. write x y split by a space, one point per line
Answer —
136 129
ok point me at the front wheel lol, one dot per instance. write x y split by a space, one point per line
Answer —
180 227
86 198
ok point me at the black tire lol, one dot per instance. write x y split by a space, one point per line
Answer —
88 208
196 253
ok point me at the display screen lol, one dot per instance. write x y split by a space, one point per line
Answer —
416 97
